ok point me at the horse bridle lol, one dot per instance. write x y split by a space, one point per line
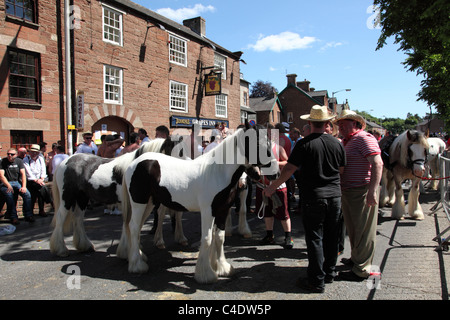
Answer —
410 163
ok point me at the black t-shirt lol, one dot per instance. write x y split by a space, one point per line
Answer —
12 169
319 157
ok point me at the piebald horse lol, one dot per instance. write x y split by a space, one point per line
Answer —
83 177
206 184
404 158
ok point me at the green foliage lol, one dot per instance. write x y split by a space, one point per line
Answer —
422 29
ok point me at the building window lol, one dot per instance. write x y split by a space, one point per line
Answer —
221 62
245 101
221 106
178 96
22 9
177 50
25 138
24 76
113 84
244 116
112 26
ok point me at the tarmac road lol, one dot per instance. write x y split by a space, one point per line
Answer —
411 267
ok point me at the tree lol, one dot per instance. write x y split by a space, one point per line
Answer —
422 29
262 89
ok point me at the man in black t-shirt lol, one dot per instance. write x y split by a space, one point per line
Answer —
321 158
14 182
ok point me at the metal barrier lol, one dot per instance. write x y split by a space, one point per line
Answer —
444 202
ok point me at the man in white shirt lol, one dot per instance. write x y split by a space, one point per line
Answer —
88 145
36 178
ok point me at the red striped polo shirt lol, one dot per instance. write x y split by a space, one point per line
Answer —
358 147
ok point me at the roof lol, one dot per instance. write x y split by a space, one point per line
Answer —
154 17
302 91
264 103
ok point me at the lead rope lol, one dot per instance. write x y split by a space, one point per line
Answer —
263 203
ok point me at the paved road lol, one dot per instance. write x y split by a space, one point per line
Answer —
411 268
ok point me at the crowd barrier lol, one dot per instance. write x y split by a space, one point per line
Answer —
444 202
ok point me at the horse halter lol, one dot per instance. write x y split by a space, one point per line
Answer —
410 162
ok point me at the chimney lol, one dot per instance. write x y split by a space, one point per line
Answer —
304 85
197 25
291 79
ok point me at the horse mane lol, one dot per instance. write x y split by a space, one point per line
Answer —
400 146
151 146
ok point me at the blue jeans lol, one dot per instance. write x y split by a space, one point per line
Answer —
321 222
11 200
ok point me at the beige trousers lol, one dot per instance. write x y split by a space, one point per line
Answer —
361 223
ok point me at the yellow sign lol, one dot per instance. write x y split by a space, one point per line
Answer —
213 84
71 127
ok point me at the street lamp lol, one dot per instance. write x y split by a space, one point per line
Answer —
332 94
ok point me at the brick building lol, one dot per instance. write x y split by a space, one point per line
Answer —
298 98
132 67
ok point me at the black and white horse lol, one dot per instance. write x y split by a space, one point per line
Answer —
84 177
206 184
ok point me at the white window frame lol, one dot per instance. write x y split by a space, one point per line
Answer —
221 101
220 61
119 28
107 81
180 97
174 42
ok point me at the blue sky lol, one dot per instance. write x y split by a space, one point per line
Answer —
330 43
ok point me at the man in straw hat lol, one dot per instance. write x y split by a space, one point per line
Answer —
360 181
320 158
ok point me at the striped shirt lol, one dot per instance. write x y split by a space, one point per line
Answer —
358 147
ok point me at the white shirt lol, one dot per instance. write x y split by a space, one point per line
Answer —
35 169
57 159
85 148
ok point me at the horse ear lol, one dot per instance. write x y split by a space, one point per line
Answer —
427 133
408 135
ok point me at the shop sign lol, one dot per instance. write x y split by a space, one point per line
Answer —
188 122
213 84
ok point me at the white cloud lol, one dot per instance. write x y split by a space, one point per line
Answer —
184 13
284 41
332 44
272 69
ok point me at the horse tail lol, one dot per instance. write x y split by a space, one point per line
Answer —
56 202
68 226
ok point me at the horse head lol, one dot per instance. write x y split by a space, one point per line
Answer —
417 151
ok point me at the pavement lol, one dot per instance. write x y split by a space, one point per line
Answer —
411 267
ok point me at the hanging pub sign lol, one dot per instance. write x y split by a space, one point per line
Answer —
213 84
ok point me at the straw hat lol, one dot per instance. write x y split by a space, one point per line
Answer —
35 147
318 114
351 115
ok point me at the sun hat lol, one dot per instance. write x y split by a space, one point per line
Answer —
318 114
351 115
35 147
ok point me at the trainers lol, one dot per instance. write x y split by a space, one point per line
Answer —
268 240
288 243
29 219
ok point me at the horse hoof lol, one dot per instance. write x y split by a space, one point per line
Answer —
161 246
247 236
184 243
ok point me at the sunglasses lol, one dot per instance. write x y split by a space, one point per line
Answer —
11 154
89 138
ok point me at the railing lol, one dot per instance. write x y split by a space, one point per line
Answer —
444 202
